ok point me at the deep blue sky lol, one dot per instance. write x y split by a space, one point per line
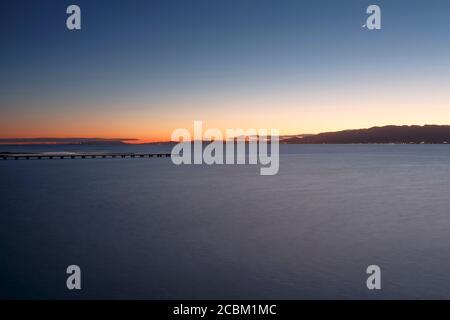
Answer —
162 59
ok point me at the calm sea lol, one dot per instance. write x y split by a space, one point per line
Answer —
145 228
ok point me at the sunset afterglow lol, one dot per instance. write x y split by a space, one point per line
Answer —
169 65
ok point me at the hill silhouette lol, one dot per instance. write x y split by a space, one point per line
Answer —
387 134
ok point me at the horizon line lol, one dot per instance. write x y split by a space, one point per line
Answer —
137 141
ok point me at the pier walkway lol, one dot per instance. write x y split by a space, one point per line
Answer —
47 156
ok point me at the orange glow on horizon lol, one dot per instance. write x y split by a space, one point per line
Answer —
292 111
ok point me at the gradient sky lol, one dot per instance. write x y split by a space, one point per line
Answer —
141 69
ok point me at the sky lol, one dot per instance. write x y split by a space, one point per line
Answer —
141 69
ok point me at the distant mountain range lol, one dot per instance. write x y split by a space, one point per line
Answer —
429 134
387 134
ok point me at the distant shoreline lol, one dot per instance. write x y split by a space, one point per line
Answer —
206 142
427 134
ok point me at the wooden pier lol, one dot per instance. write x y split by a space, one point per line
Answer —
51 156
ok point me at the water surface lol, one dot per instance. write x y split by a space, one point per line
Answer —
145 228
